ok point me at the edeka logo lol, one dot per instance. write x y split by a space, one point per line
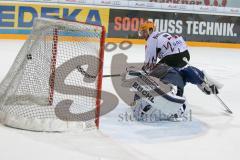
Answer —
21 16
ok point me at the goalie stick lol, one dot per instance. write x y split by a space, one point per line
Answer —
81 70
227 109
112 75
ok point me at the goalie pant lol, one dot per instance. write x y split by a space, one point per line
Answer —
190 74
178 76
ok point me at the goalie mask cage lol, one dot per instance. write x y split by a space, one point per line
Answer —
46 88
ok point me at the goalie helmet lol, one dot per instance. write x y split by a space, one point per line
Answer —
145 28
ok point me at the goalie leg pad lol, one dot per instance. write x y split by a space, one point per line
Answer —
161 109
142 111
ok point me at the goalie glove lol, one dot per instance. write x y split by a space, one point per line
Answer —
210 85
208 88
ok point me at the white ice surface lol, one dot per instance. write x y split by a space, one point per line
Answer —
212 134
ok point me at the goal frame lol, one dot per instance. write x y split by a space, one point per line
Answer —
9 118
100 69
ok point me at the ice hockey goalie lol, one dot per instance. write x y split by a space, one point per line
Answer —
159 94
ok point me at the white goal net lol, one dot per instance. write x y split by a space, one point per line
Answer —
54 83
